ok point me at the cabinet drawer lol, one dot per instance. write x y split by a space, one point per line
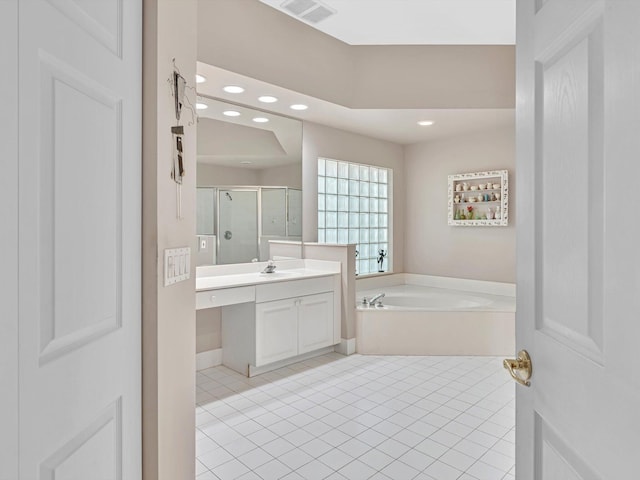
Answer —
293 288
224 296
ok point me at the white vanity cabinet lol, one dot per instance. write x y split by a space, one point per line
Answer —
288 321
276 330
315 322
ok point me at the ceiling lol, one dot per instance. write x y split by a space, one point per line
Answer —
394 125
413 22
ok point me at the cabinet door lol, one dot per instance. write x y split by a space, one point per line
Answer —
276 331
315 322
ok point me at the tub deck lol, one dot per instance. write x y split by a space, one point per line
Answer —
429 320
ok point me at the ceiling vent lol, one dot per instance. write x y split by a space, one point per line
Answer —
311 11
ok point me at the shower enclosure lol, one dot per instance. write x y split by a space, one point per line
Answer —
240 221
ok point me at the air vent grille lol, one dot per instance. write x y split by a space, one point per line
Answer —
298 7
318 14
311 11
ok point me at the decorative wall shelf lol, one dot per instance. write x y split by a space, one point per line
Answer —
487 206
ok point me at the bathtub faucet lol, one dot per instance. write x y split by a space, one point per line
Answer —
373 300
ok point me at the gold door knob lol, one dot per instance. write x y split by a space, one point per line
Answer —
520 364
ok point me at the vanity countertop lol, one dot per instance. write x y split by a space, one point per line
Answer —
215 282
241 275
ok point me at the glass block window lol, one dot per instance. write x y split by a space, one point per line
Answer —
353 207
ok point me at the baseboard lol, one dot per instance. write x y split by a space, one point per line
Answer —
346 346
253 371
208 359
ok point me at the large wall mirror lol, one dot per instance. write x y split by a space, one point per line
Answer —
249 178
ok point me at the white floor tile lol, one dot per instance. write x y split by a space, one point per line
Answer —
417 459
255 458
376 459
457 460
398 469
357 470
335 459
442 471
484 471
295 459
314 470
272 470
358 417
230 470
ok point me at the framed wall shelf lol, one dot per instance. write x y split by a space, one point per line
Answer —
479 199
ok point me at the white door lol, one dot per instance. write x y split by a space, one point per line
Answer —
315 322
9 241
578 172
276 330
79 239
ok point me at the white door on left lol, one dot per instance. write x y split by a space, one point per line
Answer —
79 237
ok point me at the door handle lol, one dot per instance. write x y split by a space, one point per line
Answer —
520 364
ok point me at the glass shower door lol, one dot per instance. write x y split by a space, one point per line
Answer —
237 226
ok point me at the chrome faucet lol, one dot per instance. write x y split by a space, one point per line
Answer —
372 300
270 268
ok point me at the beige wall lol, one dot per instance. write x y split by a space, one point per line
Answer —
208 329
214 175
431 246
253 39
322 141
284 175
168 312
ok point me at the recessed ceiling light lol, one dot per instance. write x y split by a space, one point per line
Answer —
233 89
261 120
201 106
231 113
200 78
267 99
245 162
299 106
425 123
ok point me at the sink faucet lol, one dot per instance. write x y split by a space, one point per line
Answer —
270 268
372 300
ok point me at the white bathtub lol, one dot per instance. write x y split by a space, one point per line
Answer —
424 315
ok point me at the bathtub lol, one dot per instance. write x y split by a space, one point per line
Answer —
425 315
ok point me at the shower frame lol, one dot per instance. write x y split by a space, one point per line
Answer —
248 188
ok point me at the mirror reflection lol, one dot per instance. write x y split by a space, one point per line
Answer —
249 177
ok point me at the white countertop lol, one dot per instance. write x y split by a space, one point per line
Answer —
243 279
229 276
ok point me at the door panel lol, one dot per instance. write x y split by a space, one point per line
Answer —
315 325
9 402
578 273
276 331
79 224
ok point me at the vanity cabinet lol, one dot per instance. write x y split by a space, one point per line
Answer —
287 321
276 330
290 327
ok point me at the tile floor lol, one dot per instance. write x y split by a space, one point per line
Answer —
358 417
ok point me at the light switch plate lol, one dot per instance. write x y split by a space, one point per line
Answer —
177 265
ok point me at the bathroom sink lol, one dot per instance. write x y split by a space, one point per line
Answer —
281 274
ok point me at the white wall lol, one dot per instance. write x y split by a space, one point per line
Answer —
431 246
168 312
322 141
